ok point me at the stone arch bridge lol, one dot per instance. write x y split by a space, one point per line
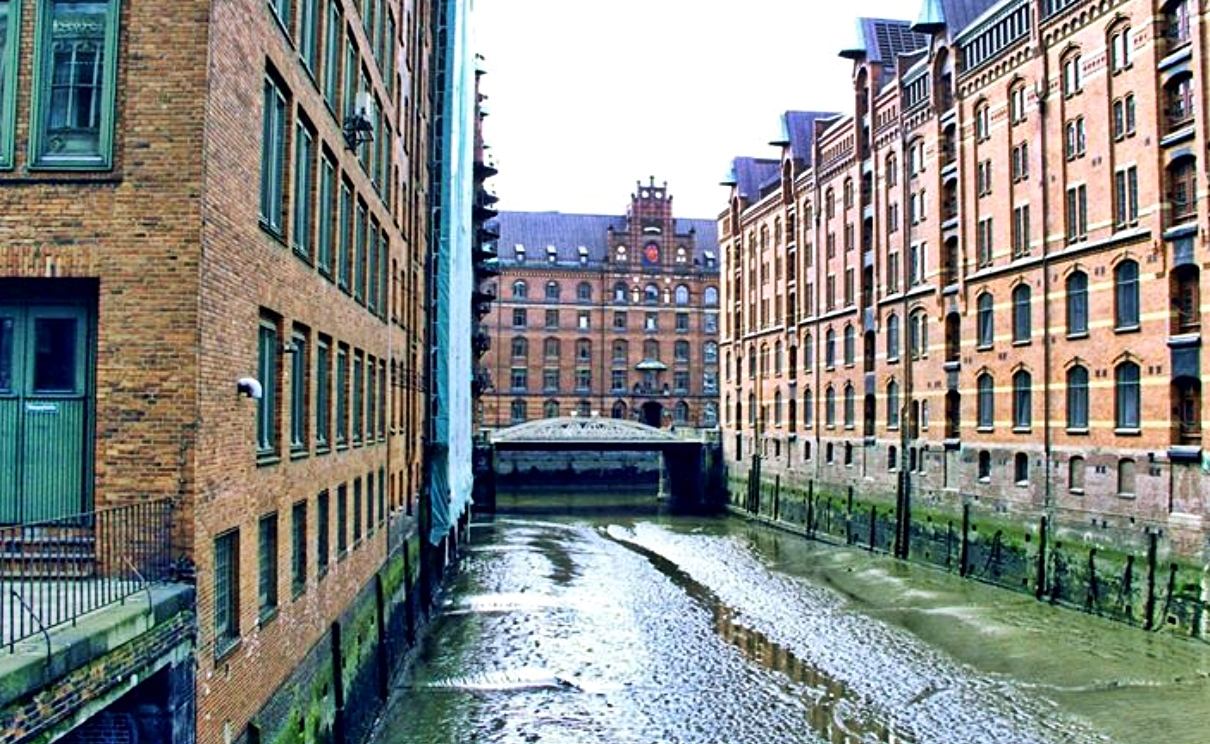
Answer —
692 459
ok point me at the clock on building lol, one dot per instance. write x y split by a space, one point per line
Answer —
651 254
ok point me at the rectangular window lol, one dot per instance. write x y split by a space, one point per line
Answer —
1077 213
308 33
349 90
342 520
583 379
1126 197
372 272
1021 231
299 384
298 548
75 75
550 380
359 254
892 272
10 31
369 503
682 322
384 273
983 242
304 180
323 394
342 396
359 382
281 9
327 209
371 398
345 245
382 494
619 319
356 512
848 287
382 399
322 527
266 372
519 319
266 583
331 69
226 591
273 158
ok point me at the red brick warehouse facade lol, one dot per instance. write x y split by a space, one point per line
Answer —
191 216
982 285
605 315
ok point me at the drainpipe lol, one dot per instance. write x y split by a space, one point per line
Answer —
1047 362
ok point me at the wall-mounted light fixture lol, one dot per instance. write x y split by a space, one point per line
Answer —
359 126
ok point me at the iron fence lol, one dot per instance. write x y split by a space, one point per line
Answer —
54 572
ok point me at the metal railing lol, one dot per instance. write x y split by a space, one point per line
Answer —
55 571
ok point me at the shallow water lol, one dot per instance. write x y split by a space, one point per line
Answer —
653 629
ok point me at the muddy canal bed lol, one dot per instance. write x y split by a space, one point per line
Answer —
646 629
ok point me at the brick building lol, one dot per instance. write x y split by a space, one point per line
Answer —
210 294
605 315
980 286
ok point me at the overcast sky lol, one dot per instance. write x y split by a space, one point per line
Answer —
586 98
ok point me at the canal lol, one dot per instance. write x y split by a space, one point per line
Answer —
637 627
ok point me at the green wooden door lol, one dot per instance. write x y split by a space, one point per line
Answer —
44 411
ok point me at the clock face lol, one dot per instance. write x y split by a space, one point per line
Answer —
651 254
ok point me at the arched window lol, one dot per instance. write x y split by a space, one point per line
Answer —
830 349
829 407
985 465
1126 295
1073 81
1127 396
1077 304
1182 189
550 348
710 414
1077 397
792 413
808 352
1075 474
1016 102
1021 469
583 350
850 352
777 357
1126 477
752 409
520 290
651 349
619 410
681 412
751 362
808 409
619 292
1022 400
892 337
682 294
829 204
651 294
710 296
550 409
710 352
892 405
1119 48
520 347
1022 328
517 411
777 407
982 121
985 321
552 290
584 292
850 404
986 401
918 332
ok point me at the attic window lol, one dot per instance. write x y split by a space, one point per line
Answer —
520 250
552 254
651 229
681 256
583 255
710 259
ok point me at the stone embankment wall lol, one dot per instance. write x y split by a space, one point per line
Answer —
1134 578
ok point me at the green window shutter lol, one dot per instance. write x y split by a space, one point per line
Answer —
75 76
10 33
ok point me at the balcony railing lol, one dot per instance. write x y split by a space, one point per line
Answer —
53 572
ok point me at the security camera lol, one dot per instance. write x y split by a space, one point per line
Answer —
250 387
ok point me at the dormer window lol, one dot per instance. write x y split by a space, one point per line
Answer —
552 254
520 251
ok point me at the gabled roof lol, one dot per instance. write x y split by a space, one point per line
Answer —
881 40
797 132
567 233
952 15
